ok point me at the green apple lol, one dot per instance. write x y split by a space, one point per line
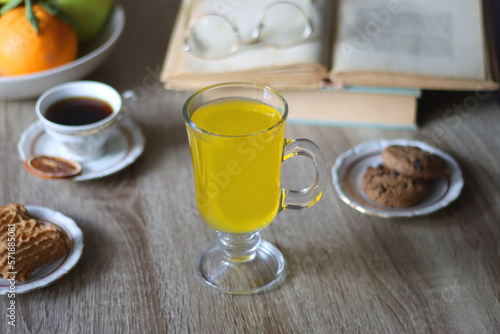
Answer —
89 15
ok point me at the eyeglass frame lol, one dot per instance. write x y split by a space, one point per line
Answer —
308 30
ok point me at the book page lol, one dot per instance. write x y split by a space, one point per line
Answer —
425 37
251 54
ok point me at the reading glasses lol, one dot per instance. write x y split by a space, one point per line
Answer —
279 25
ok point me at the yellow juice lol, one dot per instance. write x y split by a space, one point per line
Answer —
237 166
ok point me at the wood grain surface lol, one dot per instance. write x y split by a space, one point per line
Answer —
347 272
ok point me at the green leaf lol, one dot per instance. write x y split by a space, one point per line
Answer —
50 8
10 5
30 15
53 8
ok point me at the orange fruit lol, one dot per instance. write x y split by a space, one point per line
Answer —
22 51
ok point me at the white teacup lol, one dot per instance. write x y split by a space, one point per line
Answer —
81 142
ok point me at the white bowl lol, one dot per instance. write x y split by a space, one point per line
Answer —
32 85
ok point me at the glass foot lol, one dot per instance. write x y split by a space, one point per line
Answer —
241 264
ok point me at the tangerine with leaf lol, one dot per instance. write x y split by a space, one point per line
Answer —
33 39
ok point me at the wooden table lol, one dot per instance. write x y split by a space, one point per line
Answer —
347 272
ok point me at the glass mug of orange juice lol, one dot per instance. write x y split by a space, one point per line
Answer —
236 135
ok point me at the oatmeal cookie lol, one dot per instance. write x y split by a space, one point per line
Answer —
36 243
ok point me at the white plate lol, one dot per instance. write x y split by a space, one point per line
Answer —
351 165
123 147
49 273
32 85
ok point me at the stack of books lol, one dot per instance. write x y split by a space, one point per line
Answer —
365 64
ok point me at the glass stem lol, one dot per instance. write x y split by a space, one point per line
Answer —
239 247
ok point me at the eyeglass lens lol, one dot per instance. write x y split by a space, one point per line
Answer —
283 25
212 36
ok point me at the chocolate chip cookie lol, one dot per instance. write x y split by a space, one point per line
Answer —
413 162
391 188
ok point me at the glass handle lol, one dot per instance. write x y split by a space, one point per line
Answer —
307 197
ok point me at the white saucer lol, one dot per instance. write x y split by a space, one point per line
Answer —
51 272
351 165
124 146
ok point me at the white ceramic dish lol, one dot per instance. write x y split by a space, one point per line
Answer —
351 165
32 85
123 147
51 272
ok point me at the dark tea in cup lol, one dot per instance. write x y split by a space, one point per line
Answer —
78 111
81 116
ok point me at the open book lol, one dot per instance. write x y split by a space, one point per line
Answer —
424 44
